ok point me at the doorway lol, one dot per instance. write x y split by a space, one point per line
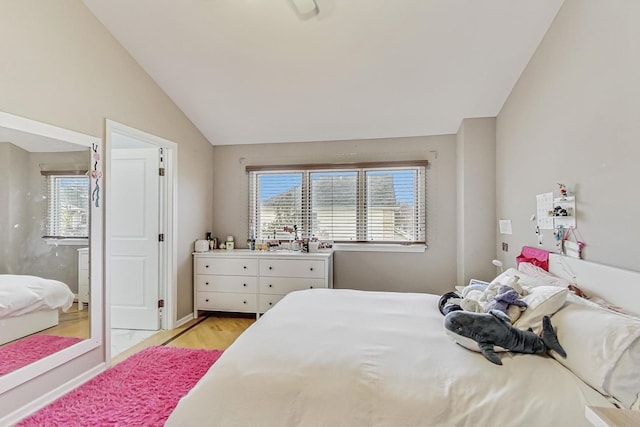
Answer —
141 273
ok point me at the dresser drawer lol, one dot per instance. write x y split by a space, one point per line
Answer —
226 301
268 301
83 260
284 285
83 277
292 268
216 283
227 266
83 293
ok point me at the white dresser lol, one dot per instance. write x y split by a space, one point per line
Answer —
247 281
83 277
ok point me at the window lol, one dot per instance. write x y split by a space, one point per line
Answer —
67 211
366 203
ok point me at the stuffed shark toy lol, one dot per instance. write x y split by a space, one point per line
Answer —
491 332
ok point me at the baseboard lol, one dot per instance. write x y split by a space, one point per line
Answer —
42 401
184 320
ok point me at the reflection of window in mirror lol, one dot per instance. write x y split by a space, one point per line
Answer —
67 206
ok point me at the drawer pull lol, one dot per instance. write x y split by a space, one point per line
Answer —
207 300
270 303
206 266
310 287
270 268
271 286
244 302
206 283
244 266
311 269
244 284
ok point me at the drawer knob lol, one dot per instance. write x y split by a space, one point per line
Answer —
244 302
207 300
310 287
206 283
270 303
311 269
270 268
206 266
244 266
244 284
271 286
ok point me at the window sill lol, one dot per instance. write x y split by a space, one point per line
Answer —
80 241
378 247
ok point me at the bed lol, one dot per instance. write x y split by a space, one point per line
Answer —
327 357
29 304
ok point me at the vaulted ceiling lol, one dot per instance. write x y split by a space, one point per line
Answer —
254 71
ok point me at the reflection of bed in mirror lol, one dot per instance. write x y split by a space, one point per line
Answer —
41 165
30 304
47 213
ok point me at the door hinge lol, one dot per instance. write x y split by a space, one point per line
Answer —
161 171
161 237
160 303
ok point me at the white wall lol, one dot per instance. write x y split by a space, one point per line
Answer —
431 271
14 184
476 197
574 117
60 66
27 252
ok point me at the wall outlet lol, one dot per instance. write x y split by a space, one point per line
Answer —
505 247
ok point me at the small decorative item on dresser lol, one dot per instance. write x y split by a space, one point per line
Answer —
201 246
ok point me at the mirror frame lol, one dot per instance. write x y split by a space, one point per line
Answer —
96 239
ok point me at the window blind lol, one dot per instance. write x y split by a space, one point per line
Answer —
372 203
276 204
67 210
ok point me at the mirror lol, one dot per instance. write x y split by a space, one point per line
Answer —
50 247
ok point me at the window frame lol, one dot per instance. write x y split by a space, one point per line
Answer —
420 196
51 228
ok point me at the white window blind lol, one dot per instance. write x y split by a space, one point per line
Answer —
277 203
368 203
334 205
67 211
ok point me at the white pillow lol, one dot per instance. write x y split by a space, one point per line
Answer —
542 275
541 301
603 349
525 279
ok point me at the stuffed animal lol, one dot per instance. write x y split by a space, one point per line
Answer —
491 332
507 302
449 302
514 282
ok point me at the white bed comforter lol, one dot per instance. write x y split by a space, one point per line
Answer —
352 358
22 294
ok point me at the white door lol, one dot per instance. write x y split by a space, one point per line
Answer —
134 242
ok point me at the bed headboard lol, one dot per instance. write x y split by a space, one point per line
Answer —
618 286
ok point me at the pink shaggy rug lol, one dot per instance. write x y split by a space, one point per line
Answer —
22 352
140 391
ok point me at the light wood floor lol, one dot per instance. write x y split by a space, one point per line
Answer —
212 332
215 331
73 323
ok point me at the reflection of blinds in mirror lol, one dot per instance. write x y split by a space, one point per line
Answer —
67 210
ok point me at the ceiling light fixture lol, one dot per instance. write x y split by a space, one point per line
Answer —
306 8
